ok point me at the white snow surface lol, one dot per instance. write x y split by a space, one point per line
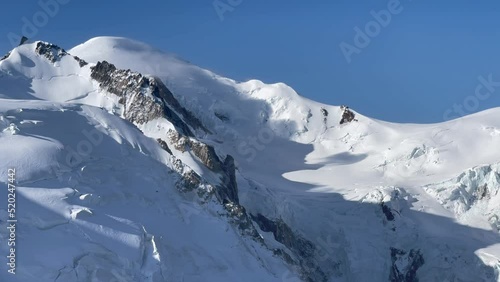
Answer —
115 213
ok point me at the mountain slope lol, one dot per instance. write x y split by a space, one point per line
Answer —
100 201
115 214
300 194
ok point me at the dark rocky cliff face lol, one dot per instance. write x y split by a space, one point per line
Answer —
144 98
302 250
227 189
347 115
164 145
132 88
50 51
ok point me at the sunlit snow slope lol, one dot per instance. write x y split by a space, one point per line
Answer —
362 201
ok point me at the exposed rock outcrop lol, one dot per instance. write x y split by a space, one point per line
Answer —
227 189
23 40
144 98
164 145
5 57
324 112
241 219
192 182
387 212
347 115
81 62
405 265
50 51
482 192
302 249
54 53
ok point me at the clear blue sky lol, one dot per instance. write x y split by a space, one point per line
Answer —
427 59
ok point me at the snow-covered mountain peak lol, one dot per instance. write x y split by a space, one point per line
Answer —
120 44
205 91
41 70
147 164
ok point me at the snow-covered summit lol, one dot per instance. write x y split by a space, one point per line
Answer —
154 169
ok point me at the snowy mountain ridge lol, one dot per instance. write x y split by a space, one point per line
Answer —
252 181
